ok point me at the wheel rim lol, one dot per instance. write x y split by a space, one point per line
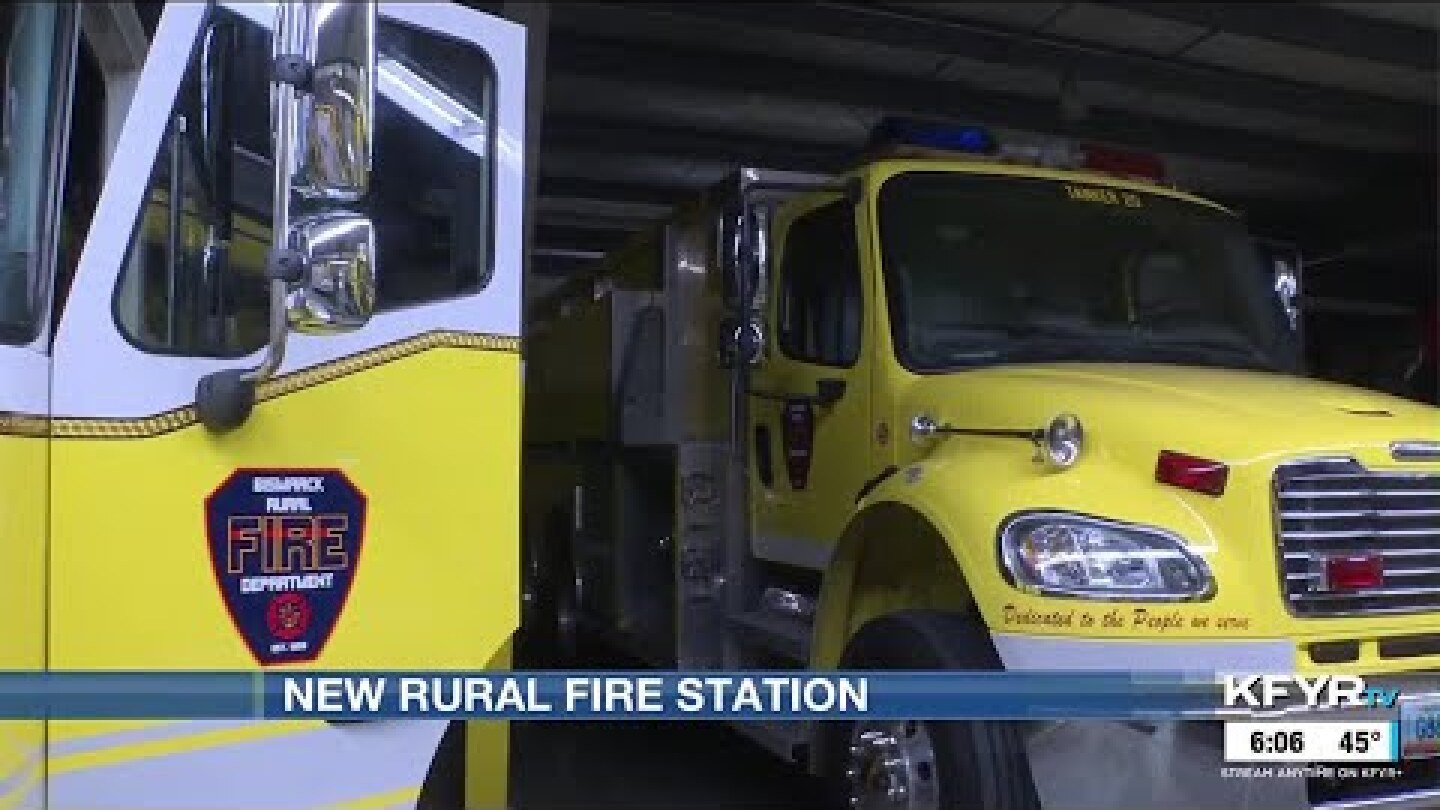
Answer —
891 765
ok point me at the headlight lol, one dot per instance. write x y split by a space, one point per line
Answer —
1073 555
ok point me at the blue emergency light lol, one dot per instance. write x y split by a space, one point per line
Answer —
951 137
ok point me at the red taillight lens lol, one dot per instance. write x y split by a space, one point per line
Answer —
1189 472
1354 573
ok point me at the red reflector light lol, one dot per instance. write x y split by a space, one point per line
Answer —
1354 573
1189 472
1123 163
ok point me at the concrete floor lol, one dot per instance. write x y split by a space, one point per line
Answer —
657 765
649 766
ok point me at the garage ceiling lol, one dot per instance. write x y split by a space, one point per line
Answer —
1305 117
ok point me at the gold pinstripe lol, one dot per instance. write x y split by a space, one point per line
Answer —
67 427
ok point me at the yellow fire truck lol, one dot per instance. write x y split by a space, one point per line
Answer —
968 408
260 295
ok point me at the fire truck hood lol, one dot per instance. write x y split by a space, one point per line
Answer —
1227 415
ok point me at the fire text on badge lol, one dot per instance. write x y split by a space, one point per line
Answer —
284 545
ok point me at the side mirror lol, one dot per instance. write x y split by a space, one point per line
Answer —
744 253
1287 287
336 116
337 293
1283 263
331 257
323 261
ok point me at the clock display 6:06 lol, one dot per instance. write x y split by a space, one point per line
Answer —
1279 741
1350 741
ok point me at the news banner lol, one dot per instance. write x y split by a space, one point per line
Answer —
1267 718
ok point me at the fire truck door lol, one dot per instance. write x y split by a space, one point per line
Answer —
811 409
332 529
39 40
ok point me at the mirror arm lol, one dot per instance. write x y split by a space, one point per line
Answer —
224 399
291 74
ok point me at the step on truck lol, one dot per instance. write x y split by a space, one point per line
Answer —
259 300
980 407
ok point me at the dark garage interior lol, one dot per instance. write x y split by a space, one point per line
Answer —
1316 121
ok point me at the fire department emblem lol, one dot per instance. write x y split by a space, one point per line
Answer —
284 545
288 616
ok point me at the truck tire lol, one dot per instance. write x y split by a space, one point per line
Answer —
444 786
923 764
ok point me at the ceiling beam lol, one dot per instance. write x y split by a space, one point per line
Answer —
552 185
655 138
988 42
653 63
560 262
581 237
1309 26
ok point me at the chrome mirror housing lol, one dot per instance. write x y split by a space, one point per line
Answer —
336 126
336 293
322 260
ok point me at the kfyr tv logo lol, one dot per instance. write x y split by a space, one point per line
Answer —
1320 691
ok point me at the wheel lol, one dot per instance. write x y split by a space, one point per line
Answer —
922 764
444 786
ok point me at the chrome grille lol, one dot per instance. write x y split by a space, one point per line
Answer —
1339 508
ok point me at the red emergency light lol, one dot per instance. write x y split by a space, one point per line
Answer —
1122 162
1188 472
1354 573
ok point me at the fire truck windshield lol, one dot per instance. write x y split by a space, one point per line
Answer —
34 37
988 269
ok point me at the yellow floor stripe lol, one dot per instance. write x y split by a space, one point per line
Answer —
379 801
21 790
67 730
177 745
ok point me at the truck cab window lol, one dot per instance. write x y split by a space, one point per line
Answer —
819 288
432 191
1112 276
35 38
195 279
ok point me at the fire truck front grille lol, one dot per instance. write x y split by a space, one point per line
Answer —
1338 509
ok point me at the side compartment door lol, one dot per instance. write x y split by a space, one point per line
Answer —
810 407
365 516
39 42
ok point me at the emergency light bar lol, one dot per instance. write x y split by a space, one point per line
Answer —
900 133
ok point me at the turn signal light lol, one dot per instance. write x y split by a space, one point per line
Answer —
1354 573
1188 472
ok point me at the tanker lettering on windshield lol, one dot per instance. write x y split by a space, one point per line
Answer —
1104 196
